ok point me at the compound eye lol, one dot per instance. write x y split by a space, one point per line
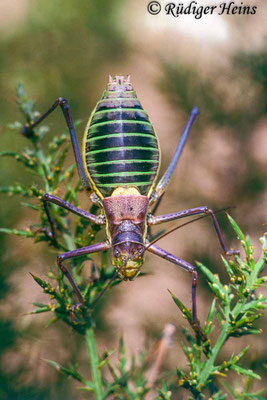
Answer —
140 250
116 253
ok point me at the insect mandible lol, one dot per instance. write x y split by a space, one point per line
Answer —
119 168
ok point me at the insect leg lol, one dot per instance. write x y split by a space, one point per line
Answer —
96 219
93 248
187 213
51 234
161 186
63 103
185 265
153 211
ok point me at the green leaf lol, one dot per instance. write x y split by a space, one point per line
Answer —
67 173
36 304
164 393
259 303
27 161
21 94
40 281
29 205
40 310
21 190
218 396
244 371
15 125
87 388
106 359
236 228
241 354
263 259
186 312
208 324
17 232
122 355
227 267
70 372
219 289
219 317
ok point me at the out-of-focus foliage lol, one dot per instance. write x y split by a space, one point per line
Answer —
232 99
186 85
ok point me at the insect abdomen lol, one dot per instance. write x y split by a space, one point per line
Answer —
120 144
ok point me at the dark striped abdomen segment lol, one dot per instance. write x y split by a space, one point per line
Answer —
121 147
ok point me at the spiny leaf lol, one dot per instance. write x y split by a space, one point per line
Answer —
40 310
228 267
241 354
236 228
17 232
214 280
40 281
122 355
186 312
30 205
51 322
216 290
66 371
208 324
37 304
244 371
87 388
15 125
105 359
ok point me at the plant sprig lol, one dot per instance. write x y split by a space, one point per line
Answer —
234 310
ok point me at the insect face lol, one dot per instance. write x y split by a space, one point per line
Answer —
131 254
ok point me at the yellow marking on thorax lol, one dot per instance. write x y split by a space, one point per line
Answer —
123 191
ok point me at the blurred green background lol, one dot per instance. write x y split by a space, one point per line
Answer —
67 48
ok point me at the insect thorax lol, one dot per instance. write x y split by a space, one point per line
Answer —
126 217
120 145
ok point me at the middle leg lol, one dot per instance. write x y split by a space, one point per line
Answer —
152 220
96 219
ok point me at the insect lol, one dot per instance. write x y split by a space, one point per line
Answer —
119 168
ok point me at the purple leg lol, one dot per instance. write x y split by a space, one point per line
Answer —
187 213
96 219
185 265
93 248
153 211
161 186
64 105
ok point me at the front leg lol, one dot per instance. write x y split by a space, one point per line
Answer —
189 268
93 248
194 211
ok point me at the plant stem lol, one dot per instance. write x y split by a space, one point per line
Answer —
209 364
94 360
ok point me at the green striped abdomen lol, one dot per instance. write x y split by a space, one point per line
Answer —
120 144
